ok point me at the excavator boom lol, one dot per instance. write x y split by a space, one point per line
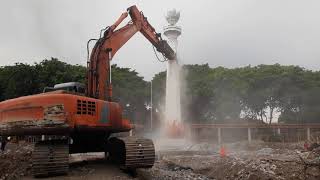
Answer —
98 75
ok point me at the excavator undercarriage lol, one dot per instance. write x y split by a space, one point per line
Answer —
51 156
132 152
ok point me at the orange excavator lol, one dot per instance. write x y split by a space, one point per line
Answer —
76 118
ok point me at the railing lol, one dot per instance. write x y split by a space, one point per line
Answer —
246 125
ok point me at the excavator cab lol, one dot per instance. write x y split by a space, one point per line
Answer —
75 87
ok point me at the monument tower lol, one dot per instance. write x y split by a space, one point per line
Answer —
172 104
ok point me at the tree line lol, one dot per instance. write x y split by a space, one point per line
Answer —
290 94
23 79
209 94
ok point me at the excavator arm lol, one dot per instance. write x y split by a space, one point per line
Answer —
99 70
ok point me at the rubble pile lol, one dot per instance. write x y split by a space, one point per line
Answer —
166 170
200 162
264 162
15 161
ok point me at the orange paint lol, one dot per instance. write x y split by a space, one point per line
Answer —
222 151
33 108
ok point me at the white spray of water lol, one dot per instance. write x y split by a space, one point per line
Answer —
173 104
172 100
172 114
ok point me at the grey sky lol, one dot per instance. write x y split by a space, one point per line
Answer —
228 33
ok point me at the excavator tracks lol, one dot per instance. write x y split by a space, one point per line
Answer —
132 152
50 158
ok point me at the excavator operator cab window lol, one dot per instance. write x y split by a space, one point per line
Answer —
71 87
81 90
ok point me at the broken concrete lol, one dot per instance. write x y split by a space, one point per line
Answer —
257 160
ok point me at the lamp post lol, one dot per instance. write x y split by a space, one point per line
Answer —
151 120
127 109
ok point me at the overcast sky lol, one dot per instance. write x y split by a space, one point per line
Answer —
228 33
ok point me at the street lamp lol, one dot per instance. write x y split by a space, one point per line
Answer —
151 120
149 106
127 111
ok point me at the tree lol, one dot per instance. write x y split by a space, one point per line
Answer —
259 92
17 80
53 71
132 92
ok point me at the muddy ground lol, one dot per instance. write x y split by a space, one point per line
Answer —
253 161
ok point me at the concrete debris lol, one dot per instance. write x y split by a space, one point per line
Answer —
166 170
15 161
265 151
265 161
242 162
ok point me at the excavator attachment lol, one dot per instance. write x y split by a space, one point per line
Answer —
164 48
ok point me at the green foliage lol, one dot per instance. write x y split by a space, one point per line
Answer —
222 94
209 94
53 71
198 90
131 91
159 90
17 80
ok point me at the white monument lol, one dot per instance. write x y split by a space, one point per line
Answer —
173 106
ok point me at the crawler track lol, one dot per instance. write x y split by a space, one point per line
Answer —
50 158
133 152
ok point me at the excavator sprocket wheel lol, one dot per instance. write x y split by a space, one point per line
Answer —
50 158
133 152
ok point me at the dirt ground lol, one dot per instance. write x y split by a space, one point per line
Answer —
201 161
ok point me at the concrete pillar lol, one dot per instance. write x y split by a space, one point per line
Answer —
308 134
279 131
249 135
219 136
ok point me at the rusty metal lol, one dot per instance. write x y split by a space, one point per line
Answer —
33 120
8 130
